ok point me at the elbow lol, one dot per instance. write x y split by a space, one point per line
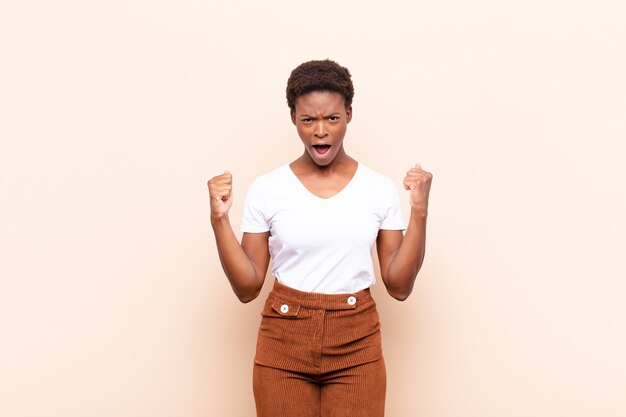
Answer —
400 289
245 295
245 299
399 294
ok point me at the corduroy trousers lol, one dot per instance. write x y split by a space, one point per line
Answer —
319 355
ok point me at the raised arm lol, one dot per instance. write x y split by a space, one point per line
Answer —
245 264
401 257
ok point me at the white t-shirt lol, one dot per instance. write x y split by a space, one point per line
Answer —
322 245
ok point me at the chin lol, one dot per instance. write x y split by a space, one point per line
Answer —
322 163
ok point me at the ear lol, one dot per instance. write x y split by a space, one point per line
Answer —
293 117
349 114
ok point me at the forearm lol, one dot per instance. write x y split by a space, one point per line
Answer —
238 267
409 257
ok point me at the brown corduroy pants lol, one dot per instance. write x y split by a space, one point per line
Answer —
319 355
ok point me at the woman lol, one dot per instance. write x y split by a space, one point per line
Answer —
318 349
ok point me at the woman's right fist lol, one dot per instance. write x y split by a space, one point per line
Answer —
220 188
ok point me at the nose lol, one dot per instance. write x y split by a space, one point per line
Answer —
320 129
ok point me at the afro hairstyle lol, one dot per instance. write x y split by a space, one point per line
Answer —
325 75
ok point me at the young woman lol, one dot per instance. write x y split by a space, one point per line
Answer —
319 350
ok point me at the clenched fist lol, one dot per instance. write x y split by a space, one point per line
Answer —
417 181
220 188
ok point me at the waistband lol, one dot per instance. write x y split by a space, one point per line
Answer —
321 301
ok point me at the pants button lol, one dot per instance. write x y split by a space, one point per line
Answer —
352 300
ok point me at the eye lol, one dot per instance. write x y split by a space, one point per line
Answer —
333 118
306 120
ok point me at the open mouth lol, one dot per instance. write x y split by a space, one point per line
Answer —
321 149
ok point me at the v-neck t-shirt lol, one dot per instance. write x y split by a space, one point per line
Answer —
320 244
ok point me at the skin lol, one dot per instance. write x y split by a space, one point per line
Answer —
322 118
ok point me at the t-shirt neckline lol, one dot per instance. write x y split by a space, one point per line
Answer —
341 192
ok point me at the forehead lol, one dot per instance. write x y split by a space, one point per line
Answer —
320 101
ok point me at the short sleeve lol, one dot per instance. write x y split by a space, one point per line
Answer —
392 215
254 219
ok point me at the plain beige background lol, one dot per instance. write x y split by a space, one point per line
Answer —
114 114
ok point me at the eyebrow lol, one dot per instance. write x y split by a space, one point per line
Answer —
306 116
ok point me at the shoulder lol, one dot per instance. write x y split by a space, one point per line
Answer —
271 180
374 178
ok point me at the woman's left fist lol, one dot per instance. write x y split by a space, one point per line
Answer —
417 181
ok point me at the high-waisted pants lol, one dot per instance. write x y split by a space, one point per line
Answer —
319 355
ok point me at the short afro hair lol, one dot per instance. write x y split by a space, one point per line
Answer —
323 75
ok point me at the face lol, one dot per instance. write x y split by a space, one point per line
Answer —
321 119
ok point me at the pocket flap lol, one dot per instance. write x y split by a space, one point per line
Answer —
285 308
